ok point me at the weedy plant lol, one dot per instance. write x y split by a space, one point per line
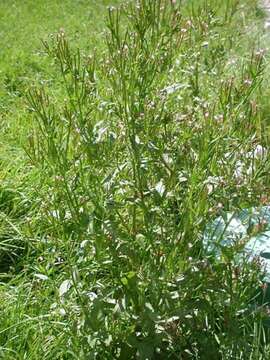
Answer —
151 140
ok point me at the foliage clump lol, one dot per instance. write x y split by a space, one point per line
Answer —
148 143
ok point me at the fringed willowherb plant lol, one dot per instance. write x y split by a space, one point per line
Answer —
135 166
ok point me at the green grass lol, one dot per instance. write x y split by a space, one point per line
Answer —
23 25
111 167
